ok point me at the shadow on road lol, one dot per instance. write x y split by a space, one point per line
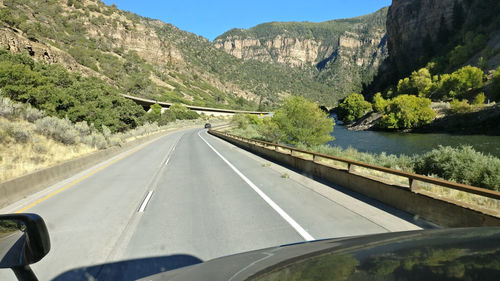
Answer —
128 269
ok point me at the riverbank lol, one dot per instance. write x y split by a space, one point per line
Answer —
484 121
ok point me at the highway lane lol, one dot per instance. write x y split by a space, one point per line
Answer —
198 206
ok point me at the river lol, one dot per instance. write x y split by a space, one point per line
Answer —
409 143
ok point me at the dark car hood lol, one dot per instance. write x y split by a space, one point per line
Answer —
443 254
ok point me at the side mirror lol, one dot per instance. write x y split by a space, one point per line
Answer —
24 240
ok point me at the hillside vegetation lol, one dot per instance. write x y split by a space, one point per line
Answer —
343 54
31 140
146 57
57 92
407 104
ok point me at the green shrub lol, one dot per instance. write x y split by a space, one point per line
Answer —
458 83
183 113
353 107
405 112
17 132
419 83
95 139
479 99
32 114
270 131
463 165
302 121
83 128
401 162
496 83
460 107
9 109
61 130
254 119
57 92
154 114
166 117
379 103
240 121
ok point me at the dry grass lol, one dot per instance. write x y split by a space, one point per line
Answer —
302 155
19 158
331 163
283 150
369 173
467 199
37 151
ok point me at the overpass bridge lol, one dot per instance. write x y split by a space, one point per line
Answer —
146 103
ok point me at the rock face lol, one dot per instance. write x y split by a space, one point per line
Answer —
14 42
296 52
419 31
410 24
143 40
342 53
286 50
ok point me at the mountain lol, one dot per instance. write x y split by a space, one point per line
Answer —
450 33
146 57
343 54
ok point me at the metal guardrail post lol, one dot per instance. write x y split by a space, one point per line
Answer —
413 184
350 167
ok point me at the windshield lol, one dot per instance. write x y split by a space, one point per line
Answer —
152 136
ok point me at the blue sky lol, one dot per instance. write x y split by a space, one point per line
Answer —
212 18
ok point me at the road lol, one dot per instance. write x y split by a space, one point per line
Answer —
185 198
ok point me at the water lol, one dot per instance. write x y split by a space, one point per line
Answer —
409 143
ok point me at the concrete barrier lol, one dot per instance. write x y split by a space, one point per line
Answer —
18 188
436 210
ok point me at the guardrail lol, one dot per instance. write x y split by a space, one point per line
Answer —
411 195
412 178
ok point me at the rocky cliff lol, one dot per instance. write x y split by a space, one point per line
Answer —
341 53
452 33
413 24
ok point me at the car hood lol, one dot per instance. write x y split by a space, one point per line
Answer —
443 254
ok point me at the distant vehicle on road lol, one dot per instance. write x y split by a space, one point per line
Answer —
208 126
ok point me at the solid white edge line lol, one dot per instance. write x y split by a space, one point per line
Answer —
268 200
146 200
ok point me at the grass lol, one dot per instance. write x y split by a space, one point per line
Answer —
18 158
30 141
468 199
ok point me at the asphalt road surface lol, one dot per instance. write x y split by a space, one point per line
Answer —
185 198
